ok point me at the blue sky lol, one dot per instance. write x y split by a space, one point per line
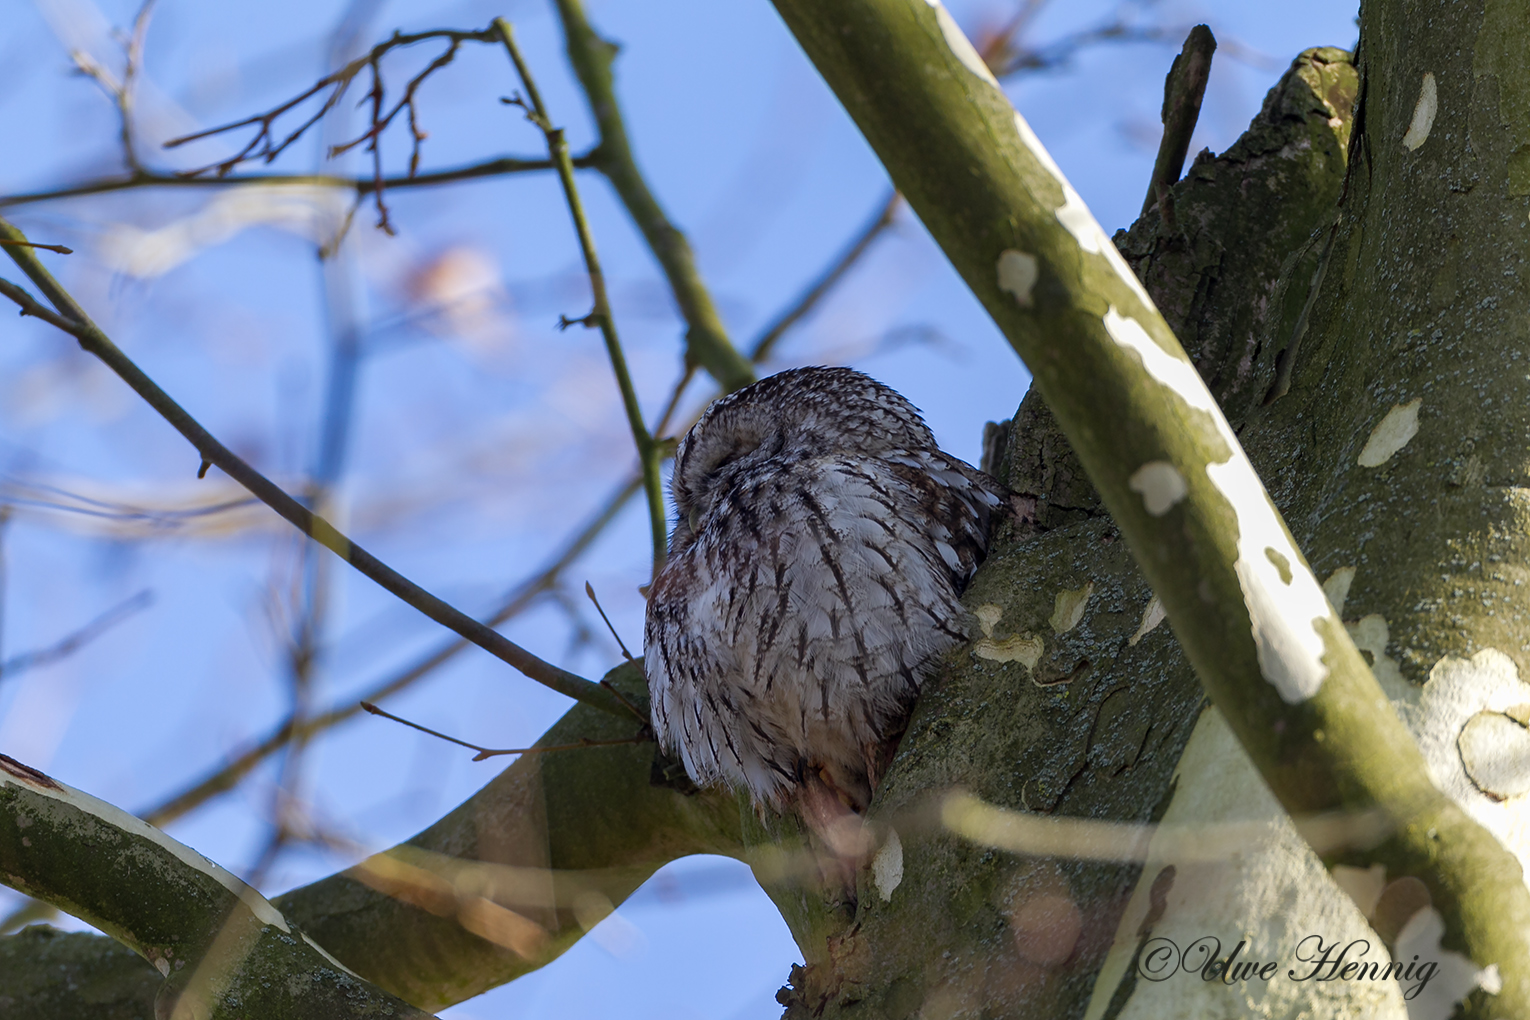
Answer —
481 434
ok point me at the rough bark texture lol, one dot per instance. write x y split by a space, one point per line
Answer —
1096 726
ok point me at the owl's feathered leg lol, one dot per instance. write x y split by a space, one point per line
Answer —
840 840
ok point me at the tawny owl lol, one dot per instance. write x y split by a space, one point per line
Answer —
822 542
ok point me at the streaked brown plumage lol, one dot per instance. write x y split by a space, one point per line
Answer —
822 543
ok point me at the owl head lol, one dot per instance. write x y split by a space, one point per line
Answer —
798 414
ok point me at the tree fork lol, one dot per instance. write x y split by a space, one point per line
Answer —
1244 604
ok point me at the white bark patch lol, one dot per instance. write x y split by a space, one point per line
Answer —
1160 484
887 866
1018 273
1371 634
1076 218
117 818
1023 649
1068 608
962 46
1423 113
1176 373
1271 890
1391 434
1455 978
1337 588
1283 599
1495 749
1152 616
1457 690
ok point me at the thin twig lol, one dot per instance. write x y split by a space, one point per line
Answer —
129 78
589 591
362 186
93 340
706 338
263 145
72 643
31 306
649 452
489 752
227 776
46 247
886 215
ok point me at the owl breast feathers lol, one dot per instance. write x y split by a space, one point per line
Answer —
822 543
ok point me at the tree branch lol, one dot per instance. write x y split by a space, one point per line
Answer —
706 338
361 185
649 452
1183 89
93 340
816 291
223 949
227 776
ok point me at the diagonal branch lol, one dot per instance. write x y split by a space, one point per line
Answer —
1184 88
72 643
96 342
649 452
885 217
706 339
226 777
219 943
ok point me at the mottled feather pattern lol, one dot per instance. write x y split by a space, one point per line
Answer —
822 543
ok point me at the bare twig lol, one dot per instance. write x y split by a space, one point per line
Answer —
649 452
706 338
362 185
263 145
46 247
228 776
129 76
31 306
72 643
487 752
93 340
589 591
886 215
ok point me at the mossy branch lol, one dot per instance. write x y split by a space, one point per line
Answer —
223 950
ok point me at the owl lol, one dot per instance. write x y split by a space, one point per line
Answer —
821 545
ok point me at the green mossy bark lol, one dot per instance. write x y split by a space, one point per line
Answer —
1424 297
1103 738
217 943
